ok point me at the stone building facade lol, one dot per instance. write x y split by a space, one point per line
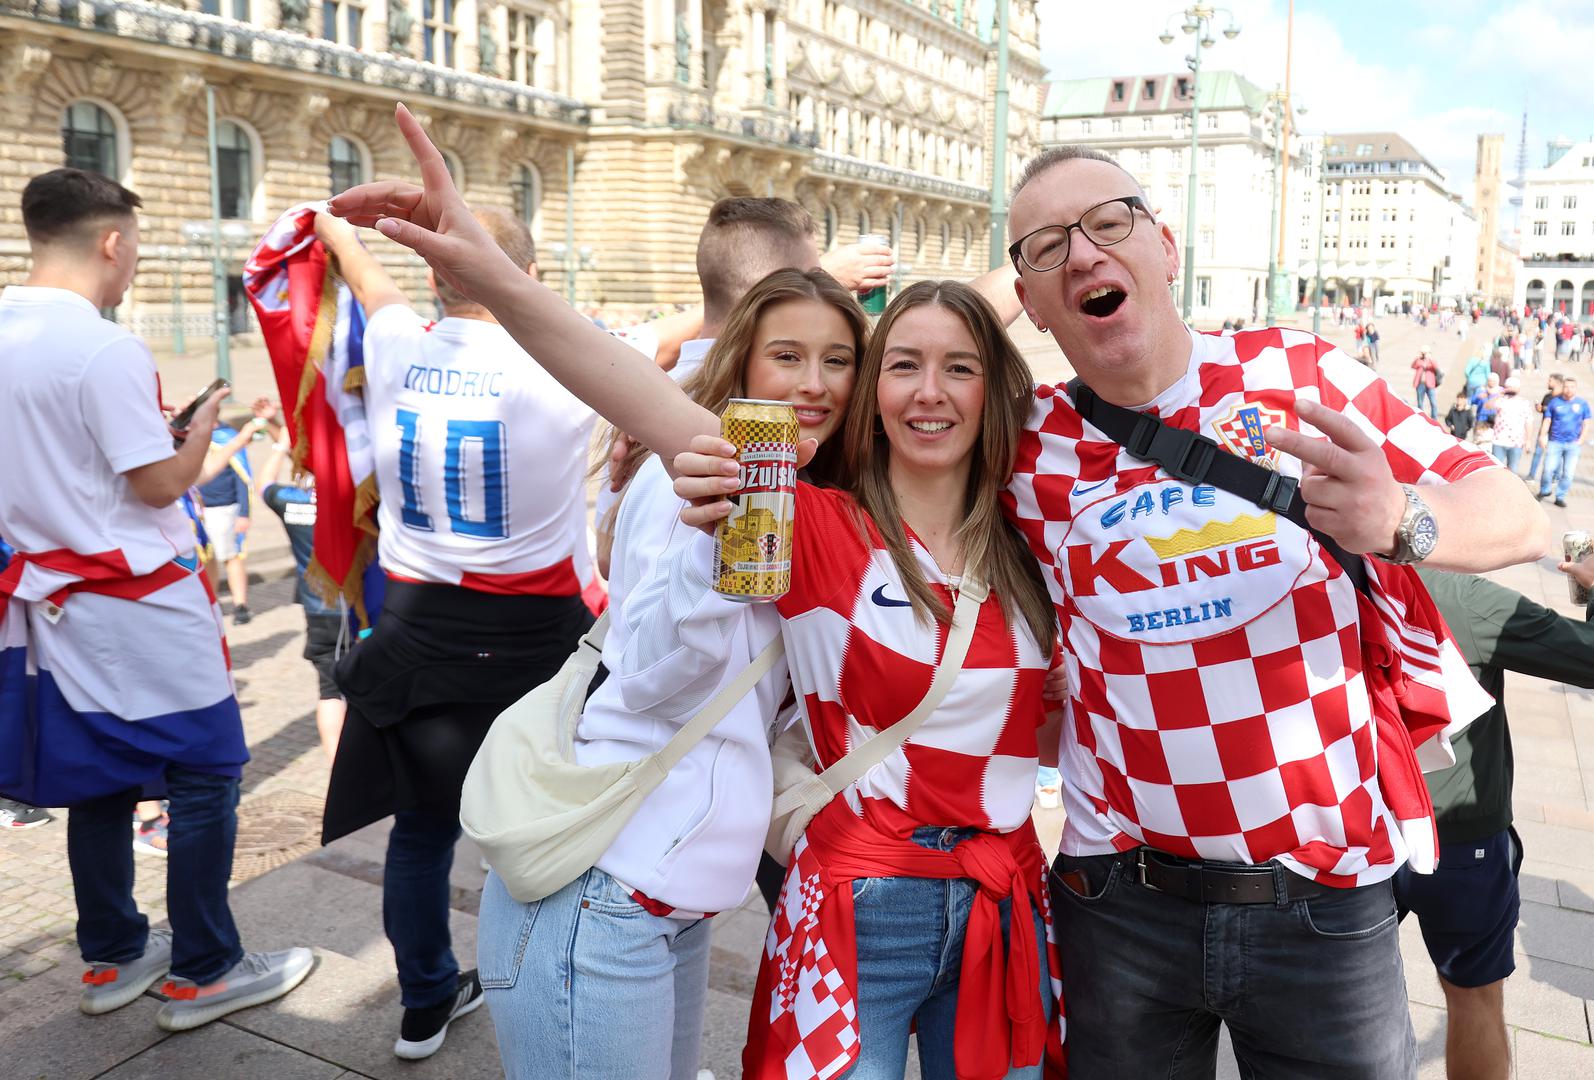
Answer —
615 123
1557 267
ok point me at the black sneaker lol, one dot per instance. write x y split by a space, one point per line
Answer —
1560 502
240 615
422 1032
17 816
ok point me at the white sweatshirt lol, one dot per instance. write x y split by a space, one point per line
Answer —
695 841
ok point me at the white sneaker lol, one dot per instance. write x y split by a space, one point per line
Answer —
254 980
107 987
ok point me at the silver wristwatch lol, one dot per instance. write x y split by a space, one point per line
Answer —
1417 533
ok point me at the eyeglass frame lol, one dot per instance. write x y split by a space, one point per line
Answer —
1134 202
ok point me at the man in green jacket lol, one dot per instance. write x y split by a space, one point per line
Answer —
1468 908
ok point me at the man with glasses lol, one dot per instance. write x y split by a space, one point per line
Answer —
1238 777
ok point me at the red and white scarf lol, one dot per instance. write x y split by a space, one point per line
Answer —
804 1020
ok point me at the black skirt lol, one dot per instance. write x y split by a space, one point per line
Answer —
425 686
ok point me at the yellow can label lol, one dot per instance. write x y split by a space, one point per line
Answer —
753 545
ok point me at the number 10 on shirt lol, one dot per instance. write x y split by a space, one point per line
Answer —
474 452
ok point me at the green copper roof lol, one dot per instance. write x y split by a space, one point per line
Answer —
1094 97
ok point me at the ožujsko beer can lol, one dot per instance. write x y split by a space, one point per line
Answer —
752 547
1577 544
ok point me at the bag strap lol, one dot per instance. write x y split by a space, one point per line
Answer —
849 769
1193 458
692 732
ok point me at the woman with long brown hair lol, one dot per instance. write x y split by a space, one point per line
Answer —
638 918
917 896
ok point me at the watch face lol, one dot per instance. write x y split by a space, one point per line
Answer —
1424 534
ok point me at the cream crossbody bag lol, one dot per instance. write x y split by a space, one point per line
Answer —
800 793
543 820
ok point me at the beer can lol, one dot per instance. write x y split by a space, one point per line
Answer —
874 300
1577 544
752 547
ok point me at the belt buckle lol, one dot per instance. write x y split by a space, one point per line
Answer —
1140 871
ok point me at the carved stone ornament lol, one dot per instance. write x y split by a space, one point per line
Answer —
295 14
103 72
399 24
22 65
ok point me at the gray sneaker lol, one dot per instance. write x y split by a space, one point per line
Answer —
254 980
107 987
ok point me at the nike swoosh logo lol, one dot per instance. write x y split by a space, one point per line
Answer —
879 597
1086 491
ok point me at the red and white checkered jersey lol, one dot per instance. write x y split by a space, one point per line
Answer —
1219 706
480 458
861 660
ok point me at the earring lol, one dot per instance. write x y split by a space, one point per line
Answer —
1043 329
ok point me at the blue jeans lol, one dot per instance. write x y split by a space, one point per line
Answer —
99 849
1426 391
1560 463
1538 458
1310 989
585 983
1509 456
910 954
415 893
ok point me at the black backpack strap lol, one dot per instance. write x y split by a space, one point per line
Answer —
1192 458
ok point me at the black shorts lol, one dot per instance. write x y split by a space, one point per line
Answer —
1467 908
320 648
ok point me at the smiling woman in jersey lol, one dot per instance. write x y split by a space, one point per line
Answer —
640 919
925 876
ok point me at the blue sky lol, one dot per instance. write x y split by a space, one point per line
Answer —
1439 73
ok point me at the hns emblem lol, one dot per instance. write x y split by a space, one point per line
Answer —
1241 431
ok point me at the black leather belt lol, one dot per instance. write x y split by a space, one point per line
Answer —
1217 883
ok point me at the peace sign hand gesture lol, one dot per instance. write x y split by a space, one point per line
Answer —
1349 490
431 220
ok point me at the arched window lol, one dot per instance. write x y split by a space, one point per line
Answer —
918 238
89 139
946 241
832 226
525 194
863 223
235 170
345 163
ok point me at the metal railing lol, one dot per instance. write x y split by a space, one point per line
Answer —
851 168
138 20
759 128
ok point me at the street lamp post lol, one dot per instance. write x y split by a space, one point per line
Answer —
1322 212
218 269
1197 21
1278 99
998 244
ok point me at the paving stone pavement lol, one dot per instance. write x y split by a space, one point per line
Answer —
341 1023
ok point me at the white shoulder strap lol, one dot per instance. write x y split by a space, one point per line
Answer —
851 767
691 733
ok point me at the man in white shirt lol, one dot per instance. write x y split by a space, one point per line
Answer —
480 463
114 676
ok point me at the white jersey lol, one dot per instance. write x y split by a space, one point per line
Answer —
480 458
82 407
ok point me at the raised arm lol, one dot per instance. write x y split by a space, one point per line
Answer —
369 282
433 221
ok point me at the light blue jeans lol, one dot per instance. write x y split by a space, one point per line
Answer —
910 935
1560 463
586 984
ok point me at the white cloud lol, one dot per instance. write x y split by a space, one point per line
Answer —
1438 94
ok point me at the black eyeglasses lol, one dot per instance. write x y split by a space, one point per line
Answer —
1106 224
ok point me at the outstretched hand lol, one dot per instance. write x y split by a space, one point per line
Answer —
431 220
1349 490
707 473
